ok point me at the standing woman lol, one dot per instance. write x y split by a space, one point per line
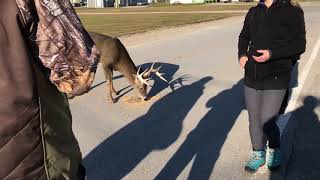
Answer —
273 33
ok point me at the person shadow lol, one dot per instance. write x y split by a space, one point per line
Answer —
119 154
300 144
204 143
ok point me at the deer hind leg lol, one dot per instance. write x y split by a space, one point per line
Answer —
109 75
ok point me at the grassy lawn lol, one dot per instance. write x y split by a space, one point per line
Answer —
172 8
120 24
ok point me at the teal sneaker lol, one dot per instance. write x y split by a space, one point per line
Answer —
274 160
258 159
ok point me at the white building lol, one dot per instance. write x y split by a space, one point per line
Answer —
181 1
186 1
96 3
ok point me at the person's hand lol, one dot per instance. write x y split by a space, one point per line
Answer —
265 56
243 61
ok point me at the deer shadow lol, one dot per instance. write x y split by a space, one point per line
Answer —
103 82
300 144
169 69
204 143
156 130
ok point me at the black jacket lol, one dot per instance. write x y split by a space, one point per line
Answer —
280 29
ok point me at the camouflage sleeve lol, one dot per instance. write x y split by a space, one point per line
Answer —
61 43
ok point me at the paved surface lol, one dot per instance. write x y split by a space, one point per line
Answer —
197 127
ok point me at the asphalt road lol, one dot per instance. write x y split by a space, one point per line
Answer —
194 128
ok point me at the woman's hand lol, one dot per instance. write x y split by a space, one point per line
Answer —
265 56
243 61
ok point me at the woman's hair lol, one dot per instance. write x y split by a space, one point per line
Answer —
295 3
292 2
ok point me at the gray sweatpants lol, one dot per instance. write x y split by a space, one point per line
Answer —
263 107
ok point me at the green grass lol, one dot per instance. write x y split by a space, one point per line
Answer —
120 24
171 8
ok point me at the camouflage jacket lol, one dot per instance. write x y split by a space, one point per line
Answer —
44 53
58 39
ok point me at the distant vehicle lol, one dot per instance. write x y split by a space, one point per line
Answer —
142 3
76 4
83 3
225 1
176 2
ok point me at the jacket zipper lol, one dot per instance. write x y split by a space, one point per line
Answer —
255 64
255 71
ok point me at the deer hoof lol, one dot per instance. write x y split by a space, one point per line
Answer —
111 100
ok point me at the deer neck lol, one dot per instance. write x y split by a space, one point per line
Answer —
128 72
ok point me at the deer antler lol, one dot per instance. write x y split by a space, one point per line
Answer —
156 71
149 71
141 78
160 75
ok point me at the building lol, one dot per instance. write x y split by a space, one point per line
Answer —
186 1
95 3
109 3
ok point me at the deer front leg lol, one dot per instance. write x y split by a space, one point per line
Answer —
111 86
110 89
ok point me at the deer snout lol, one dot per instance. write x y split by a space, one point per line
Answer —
145 98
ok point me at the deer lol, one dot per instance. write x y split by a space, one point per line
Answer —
115 57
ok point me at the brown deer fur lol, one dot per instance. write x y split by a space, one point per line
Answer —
115 57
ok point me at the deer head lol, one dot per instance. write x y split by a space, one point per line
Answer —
141 80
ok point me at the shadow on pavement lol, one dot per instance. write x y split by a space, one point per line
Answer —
156 130
204 143
169 69
103 82
301 144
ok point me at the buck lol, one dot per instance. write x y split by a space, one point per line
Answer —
115 57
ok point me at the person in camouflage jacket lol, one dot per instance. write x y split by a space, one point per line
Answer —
45 54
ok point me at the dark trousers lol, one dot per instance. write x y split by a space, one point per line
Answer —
284 103
81 173
286 97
